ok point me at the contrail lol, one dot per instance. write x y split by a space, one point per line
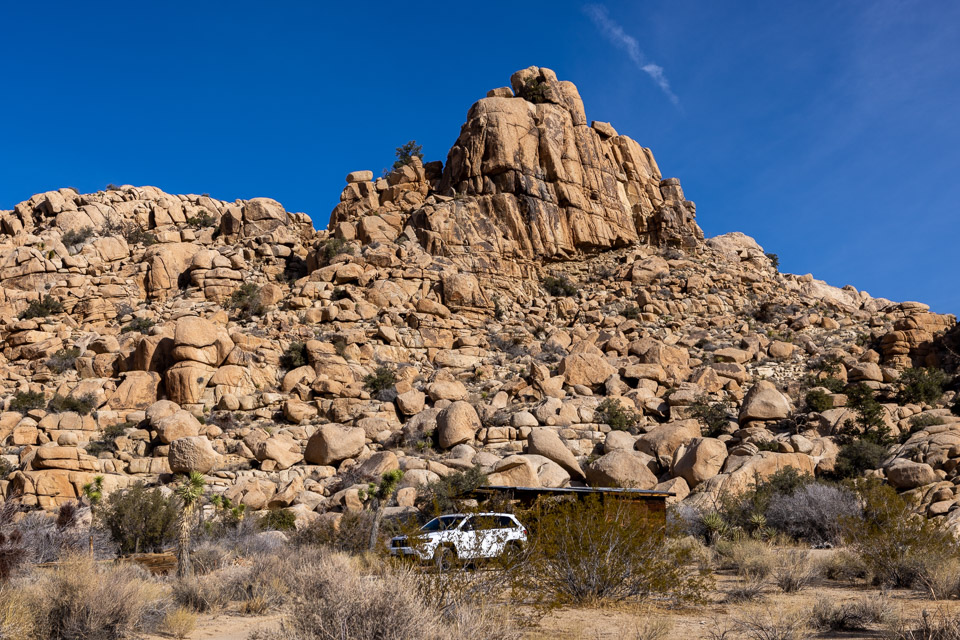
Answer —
615 34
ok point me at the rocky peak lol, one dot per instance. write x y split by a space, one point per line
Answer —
529 181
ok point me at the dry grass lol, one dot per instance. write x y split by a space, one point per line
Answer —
940 581
857 615
773 623
747 557
180 622
794 571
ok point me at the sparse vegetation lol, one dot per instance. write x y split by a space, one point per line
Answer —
817 400
201 221
713 416
246 301
63 360
138 325
47 306
559 286
139 519
76 237
381 379
294 356
534 90
406 152
83 404
335 247
278 520
25 401
921 386
613 414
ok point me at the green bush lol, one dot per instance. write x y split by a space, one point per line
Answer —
381 379
407 152
713 416
858 456
746 511
559 286
818 401
295 355
139 325
631 312
76 237
48 306
921 386
870 417
25 401
278 520
534 90
612 413
774 260
596 550
202 220
440 496
136 235
63 404
246 301
898 547
335 247
63 360
139 519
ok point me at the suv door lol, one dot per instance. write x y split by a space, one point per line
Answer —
469 540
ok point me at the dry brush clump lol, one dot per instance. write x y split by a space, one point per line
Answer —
855 615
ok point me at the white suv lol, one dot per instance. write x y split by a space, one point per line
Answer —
447 539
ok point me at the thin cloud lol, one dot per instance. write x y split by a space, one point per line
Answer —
620 38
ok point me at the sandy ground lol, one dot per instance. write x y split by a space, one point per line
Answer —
226 626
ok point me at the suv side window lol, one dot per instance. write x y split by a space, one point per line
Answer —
470 525
503 522
484 522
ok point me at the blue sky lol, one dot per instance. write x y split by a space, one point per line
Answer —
829 131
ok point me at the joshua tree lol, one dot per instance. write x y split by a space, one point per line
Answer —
190 493
93 493
382 494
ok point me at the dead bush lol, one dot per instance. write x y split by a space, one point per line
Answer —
747 589
829 615
941 581
773 624
80 599
794 570
844 566
937 625
180 622
602 550
747 557
653 629
812 512
202 593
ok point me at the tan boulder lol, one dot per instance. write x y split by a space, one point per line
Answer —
457 423
201 341
298 411
620 469
546 442
514 471
588 369
180 424
333 443
192 454
186 381
411 402
906 474
138 390
764 402
701 459
281 449
663 441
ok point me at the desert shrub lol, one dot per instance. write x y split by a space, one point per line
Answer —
870 417
631 312
407 152
773 623
107 441
844 566
653 629
774 260
47 539
212 592
923 421
47 306
612 413
135 235
921 386
278 520
440 496
63 359
179 622
534 90
812 512
597 550
138 325
381 379
75 237
937 625
77 404
817 400
856 615
858 456
14 552
24 401
81 599
794 571
295 355
139 519
941 581
897 546
747 511
747 557
202 220
207 556
335 247
559 286
351 535
748 589
713 416
246 301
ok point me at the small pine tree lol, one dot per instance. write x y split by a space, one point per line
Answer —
407 152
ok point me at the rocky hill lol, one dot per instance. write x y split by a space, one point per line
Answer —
543 305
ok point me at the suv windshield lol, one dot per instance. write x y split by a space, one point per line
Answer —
443 523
